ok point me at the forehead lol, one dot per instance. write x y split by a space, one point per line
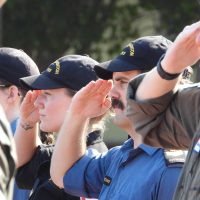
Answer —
126 75
54 91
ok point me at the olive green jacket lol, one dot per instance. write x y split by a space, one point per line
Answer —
172 121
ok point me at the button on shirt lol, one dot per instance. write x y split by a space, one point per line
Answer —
123 173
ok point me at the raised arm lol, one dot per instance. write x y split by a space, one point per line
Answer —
185 51
26 136
159 117
91 101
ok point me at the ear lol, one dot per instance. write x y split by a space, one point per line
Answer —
13 94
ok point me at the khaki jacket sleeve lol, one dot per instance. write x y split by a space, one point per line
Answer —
166 121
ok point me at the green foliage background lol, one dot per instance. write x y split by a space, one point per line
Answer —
48 29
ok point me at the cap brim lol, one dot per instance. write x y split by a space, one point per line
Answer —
102 70
39 82
105 70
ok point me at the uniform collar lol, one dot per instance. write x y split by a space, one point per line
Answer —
129 144
130 153
148 149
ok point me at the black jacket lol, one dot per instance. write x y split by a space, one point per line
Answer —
35 174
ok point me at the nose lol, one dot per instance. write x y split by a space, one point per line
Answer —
39 103
114 93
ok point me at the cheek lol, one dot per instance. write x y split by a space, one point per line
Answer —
53 107
50 124
3 102
123 96
124 102
54 117
2 97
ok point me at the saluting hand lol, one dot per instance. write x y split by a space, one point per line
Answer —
92 100
28 112
185 51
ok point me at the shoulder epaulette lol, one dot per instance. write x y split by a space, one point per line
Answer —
175 156
190 85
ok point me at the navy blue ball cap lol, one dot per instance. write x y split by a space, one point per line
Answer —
15 64
71 71
140 54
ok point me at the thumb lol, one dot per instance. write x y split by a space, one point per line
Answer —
107 103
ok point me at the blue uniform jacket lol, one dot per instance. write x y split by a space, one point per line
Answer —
123 173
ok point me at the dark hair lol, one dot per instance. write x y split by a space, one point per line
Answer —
4 82
7 84
47 138
71 92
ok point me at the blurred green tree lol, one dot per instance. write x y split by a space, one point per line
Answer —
48 29
173 15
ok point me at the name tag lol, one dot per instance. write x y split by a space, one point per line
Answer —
197 146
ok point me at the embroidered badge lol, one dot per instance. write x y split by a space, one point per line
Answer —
132 51
54 67
197 146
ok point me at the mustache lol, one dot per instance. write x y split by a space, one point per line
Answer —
116 103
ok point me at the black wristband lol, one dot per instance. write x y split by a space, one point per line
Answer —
163 74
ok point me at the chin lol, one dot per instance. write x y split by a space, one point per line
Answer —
45 128
49 127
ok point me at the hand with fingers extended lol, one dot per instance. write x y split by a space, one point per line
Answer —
185 51
92 100
29 114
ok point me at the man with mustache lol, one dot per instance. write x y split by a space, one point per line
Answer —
132 171
137 57
116 103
